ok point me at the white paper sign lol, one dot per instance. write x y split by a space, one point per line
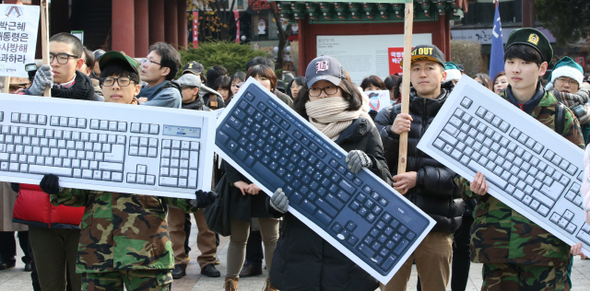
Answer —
378 99
18 38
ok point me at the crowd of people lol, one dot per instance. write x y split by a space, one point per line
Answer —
75 239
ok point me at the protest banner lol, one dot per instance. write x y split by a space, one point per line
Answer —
378 99
18 34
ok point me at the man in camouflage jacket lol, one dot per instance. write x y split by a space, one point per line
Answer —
123 233
124 238
518 254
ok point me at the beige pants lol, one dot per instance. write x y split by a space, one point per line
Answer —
240 230
205 238
433 260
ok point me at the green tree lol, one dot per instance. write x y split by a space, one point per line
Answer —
467 53
568 20
215 19
233 56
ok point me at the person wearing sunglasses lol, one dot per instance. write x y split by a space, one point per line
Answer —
157 71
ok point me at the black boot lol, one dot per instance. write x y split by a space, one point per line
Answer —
179 271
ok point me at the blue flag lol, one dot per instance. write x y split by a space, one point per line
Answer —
497 53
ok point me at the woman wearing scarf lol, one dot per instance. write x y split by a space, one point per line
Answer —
303 260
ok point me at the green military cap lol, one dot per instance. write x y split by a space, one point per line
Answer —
114 56
533 38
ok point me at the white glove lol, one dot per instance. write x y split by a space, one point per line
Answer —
356 160
279 201
43 78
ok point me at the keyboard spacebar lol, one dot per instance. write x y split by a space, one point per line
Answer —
64 172
262 171
490 176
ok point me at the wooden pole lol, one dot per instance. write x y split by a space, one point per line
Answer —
6 85
45 39
403 139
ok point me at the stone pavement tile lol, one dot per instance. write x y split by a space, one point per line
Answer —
16 279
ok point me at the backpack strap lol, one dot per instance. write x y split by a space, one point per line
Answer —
560 119
397 109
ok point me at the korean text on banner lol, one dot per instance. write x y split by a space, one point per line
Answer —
396 55
18 38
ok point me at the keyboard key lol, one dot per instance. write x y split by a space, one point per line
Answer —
366 250
168 181
329 210
63 172
116 155
323 218
307 206
490 176
401 247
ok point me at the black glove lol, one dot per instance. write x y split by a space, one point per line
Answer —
50 184
356 160
279 201
203 199
15 187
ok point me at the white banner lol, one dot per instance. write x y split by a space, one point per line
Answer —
18 38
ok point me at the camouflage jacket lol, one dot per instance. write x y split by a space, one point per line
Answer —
501 235
122 231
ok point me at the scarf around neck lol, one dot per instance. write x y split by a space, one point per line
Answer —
330 115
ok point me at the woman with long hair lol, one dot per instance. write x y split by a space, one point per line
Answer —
247 201
223 86
484 80
295 86
500 82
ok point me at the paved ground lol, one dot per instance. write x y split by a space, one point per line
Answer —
16 279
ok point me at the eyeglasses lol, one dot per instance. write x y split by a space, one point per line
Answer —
110 81
62 58
148 62
568 81
316 92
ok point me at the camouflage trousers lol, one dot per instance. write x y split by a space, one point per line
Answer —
134 280
509 277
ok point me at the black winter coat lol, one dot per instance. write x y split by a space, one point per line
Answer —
435 192
243 207
303 261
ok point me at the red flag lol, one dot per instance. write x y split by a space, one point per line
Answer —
196 29
237 17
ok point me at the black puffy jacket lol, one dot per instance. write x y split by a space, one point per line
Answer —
304 261
435 192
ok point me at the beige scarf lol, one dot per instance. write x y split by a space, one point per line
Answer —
329 115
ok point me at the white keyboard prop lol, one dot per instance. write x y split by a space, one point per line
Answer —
106 146
528 166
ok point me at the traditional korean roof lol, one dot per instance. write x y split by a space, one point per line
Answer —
361 11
